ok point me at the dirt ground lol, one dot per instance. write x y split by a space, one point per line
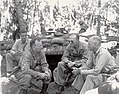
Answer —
10 87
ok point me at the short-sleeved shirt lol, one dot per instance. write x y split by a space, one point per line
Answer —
20 47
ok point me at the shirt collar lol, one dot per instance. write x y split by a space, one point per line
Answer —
25 42
76 44
98 51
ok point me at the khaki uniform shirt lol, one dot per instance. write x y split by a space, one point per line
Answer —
30 63
100 62
19 46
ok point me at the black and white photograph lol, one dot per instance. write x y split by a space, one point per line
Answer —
59 46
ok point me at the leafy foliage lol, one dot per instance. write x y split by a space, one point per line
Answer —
38 12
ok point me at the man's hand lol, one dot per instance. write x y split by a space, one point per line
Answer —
71 64
45 76
48 75
79 63
76 71
41 75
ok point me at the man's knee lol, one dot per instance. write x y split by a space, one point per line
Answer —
60 64
25 80
62 67
28 77
49 71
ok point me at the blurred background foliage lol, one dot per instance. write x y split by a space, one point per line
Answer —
57 13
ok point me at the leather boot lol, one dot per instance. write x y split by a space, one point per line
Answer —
44 89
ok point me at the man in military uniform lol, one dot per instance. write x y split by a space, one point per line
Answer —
100 63
76 54
33 65
16 51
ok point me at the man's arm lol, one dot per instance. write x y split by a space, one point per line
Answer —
65 57
14 47
100 64
43 62
25 62
84 55
90 62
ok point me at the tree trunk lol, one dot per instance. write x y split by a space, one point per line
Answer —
21 23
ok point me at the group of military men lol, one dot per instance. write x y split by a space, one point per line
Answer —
82 65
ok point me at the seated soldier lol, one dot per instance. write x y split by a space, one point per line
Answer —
33 65
100 63
76 53
16 51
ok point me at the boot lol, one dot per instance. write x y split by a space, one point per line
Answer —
44 89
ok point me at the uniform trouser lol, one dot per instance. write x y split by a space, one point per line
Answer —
11 61
25 79
84 83
19 84
59 75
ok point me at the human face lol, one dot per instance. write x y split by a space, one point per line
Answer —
37 47
73 39
23 37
